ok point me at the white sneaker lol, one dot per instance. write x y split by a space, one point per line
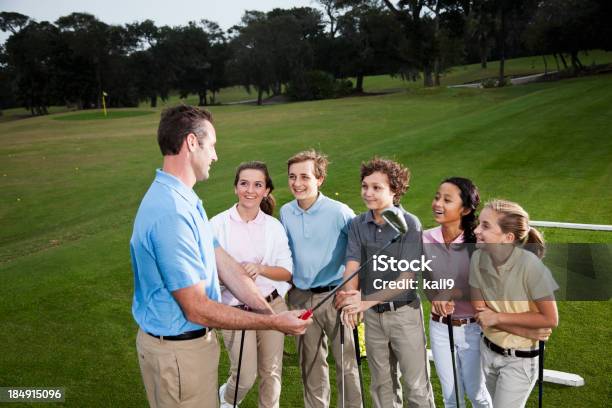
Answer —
224 404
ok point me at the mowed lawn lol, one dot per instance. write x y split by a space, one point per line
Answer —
70 190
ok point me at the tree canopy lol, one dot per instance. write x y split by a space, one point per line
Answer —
78 58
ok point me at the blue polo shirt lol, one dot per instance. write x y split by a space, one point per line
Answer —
317 238
171 248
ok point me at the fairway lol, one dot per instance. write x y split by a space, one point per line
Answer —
71 188
113 114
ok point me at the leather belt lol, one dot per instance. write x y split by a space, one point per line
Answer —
509 352
323 289
190 335
455 322
268 298
389 306
272 296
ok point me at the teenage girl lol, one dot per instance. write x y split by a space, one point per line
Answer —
454 209
513 294
249 233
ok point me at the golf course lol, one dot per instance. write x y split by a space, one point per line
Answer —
71 184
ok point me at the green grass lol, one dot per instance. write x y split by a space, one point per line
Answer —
99 115
21 113
225 96
70 190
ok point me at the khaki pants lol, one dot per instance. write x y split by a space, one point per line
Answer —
262 354
179 373
313 350
509 379
395 342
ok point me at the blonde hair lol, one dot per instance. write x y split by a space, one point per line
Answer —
513 218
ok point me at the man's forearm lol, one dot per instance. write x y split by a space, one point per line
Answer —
219 316
245 290
239 283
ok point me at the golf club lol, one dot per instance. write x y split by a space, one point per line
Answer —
398 223
239 365
342 357
541 374
451 339
358 357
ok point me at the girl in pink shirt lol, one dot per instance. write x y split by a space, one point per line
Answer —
249 233
454 208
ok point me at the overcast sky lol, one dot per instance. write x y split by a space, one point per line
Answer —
226 13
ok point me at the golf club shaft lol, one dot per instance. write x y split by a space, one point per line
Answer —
451 340
541 374
342 358
358 357
239 365
306 315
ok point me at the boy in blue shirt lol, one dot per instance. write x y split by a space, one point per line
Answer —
317 228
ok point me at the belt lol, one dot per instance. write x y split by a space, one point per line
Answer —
272 296
190 335
323 289
268 298
509 352
455 322
389 306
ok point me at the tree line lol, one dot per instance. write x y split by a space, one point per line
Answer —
308 53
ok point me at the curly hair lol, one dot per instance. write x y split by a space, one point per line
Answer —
398 175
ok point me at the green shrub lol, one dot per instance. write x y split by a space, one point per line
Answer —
318 85
495 83
489 83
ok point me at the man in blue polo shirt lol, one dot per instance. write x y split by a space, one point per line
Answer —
317 228
177 267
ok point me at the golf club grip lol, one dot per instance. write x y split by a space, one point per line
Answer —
541 374
341 333
541 362
357 350
451 340
306 315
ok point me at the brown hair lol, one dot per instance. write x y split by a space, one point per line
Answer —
398 175
176 123
515 219
319 159
268 203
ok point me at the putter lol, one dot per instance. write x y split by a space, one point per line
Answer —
541 374
398 223
238 372
342 358
451 339
358 357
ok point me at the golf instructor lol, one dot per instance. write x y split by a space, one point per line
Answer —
177 267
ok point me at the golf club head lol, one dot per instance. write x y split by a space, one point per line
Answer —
394 217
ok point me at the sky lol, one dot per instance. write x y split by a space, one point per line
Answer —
226 13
